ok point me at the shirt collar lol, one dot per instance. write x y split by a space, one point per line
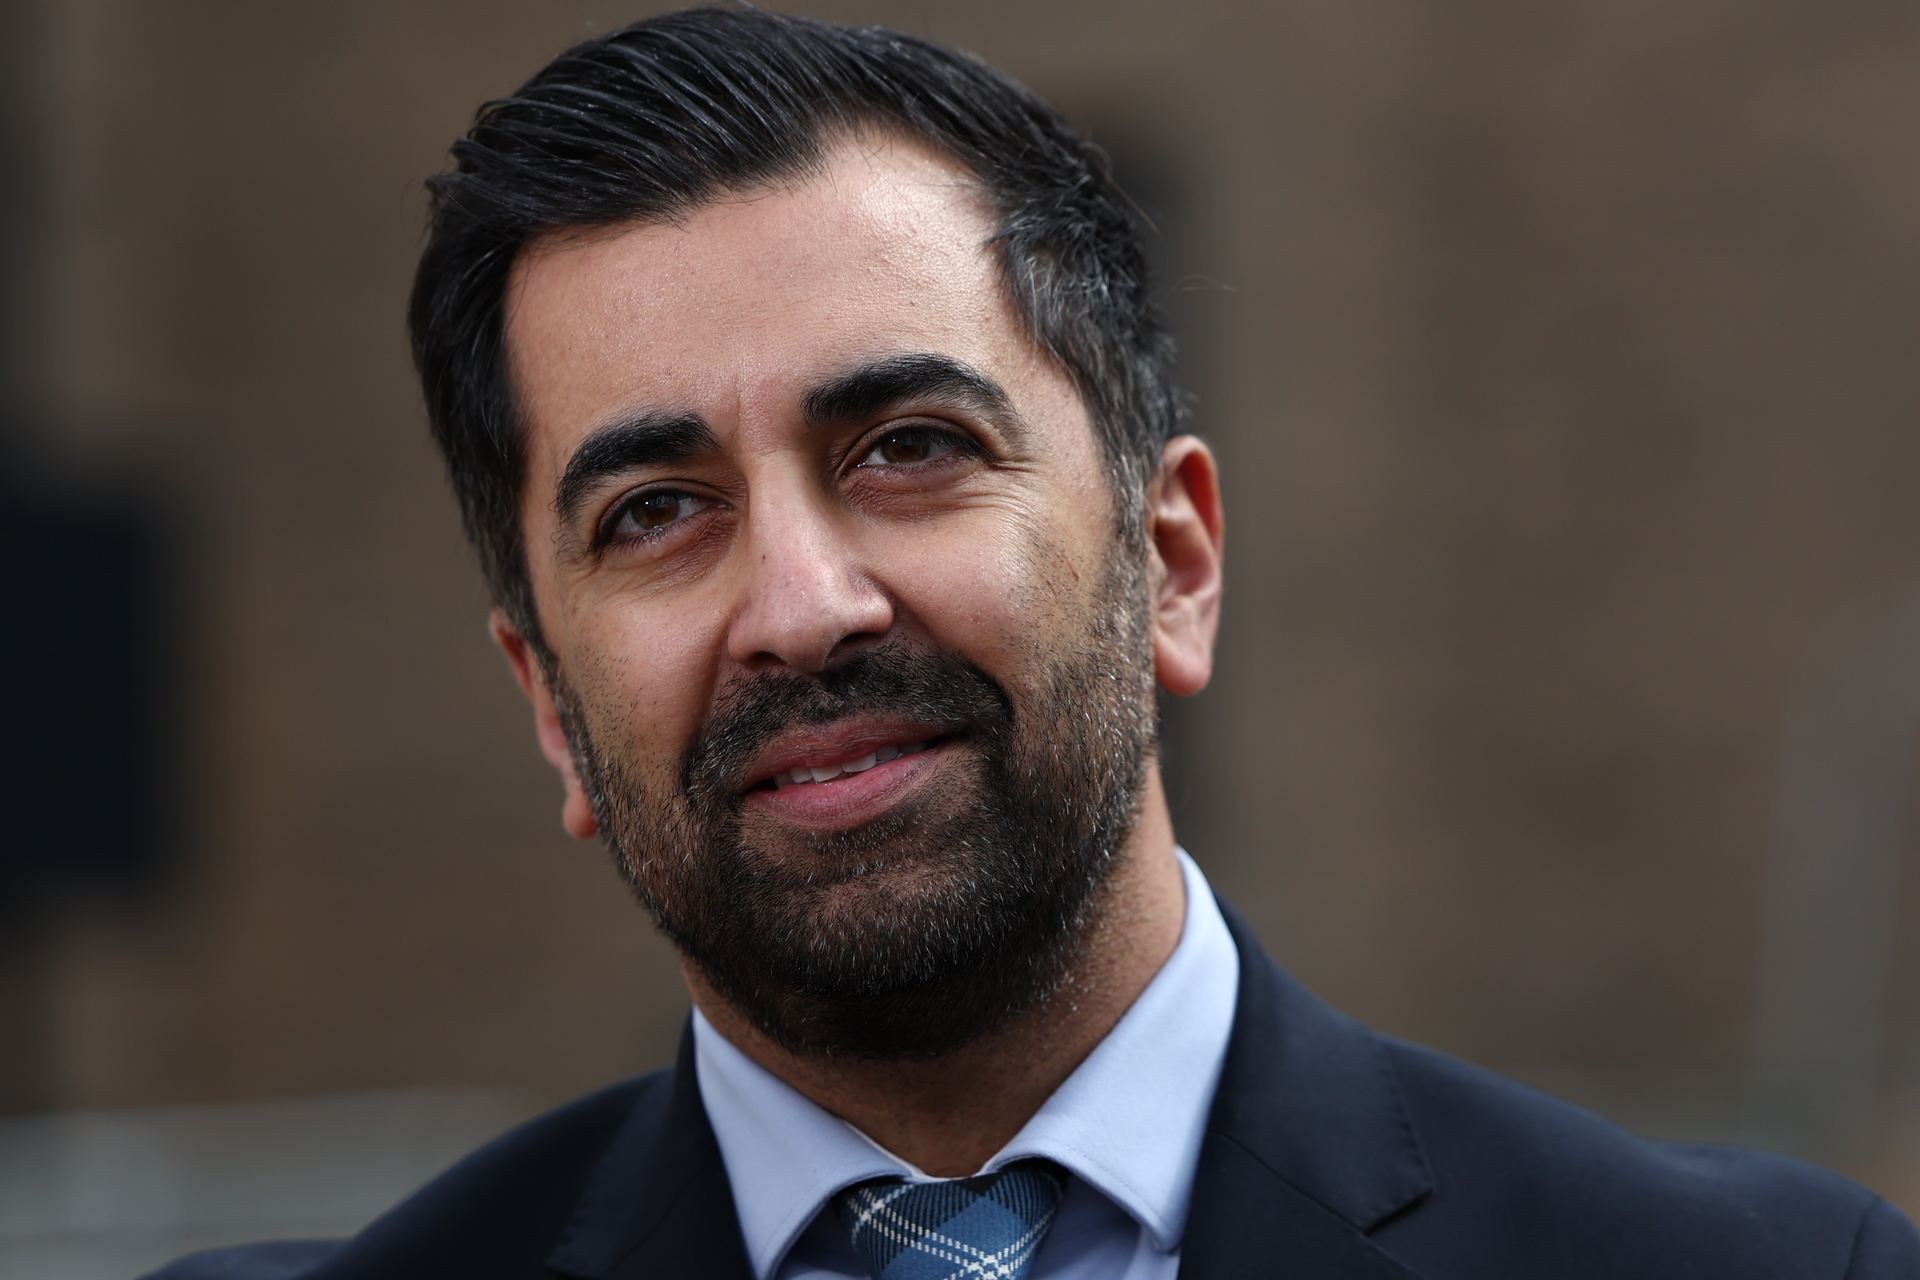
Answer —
1128 1121
785 1156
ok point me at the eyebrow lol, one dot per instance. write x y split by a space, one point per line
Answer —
878 385
645 438
653 437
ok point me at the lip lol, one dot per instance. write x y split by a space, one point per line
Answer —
832 744
852 798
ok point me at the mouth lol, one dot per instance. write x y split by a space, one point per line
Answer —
814 775
844 775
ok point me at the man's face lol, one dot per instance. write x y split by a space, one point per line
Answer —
853 674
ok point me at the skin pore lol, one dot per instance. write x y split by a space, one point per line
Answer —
702 517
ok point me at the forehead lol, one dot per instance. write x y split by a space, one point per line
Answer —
731 310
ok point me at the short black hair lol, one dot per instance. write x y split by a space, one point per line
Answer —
651 121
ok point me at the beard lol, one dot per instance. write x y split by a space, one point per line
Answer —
963 906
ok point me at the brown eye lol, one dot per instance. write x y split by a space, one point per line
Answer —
650 514
912 446
655 510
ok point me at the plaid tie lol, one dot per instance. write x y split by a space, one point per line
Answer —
984 1228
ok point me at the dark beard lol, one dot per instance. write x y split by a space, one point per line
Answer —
957 910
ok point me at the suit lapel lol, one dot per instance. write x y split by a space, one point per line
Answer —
1248 1222
658 1203
1308 1147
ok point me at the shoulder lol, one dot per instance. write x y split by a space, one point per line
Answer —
1529 1184
1457 1174
498 1212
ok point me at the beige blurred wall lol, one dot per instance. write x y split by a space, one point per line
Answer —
1561 361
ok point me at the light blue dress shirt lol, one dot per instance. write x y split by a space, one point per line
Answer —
1126 1125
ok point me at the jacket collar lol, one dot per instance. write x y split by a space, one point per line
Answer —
1309 1147
658 1203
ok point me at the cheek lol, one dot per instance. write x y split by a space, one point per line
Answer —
997 594
643 683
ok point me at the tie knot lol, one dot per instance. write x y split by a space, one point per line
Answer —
983 1228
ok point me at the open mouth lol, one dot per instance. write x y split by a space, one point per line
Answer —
816 773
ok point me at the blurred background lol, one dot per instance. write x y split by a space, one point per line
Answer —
1561 359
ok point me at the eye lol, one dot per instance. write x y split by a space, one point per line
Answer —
651 514
915 447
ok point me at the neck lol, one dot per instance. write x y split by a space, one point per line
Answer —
949 1115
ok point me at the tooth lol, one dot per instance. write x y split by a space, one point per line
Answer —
861 765
885 754
913 748
800 775
826 774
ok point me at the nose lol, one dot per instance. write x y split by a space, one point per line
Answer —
808 594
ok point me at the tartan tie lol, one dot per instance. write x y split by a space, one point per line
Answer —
982 1228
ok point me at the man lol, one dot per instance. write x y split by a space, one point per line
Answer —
805 399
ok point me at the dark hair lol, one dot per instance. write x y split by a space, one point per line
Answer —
651 121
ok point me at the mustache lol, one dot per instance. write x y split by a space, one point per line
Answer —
941 689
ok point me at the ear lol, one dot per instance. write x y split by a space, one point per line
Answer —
576 814
1185 531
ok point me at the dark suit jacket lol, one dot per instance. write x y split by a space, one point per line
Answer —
1330 1152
